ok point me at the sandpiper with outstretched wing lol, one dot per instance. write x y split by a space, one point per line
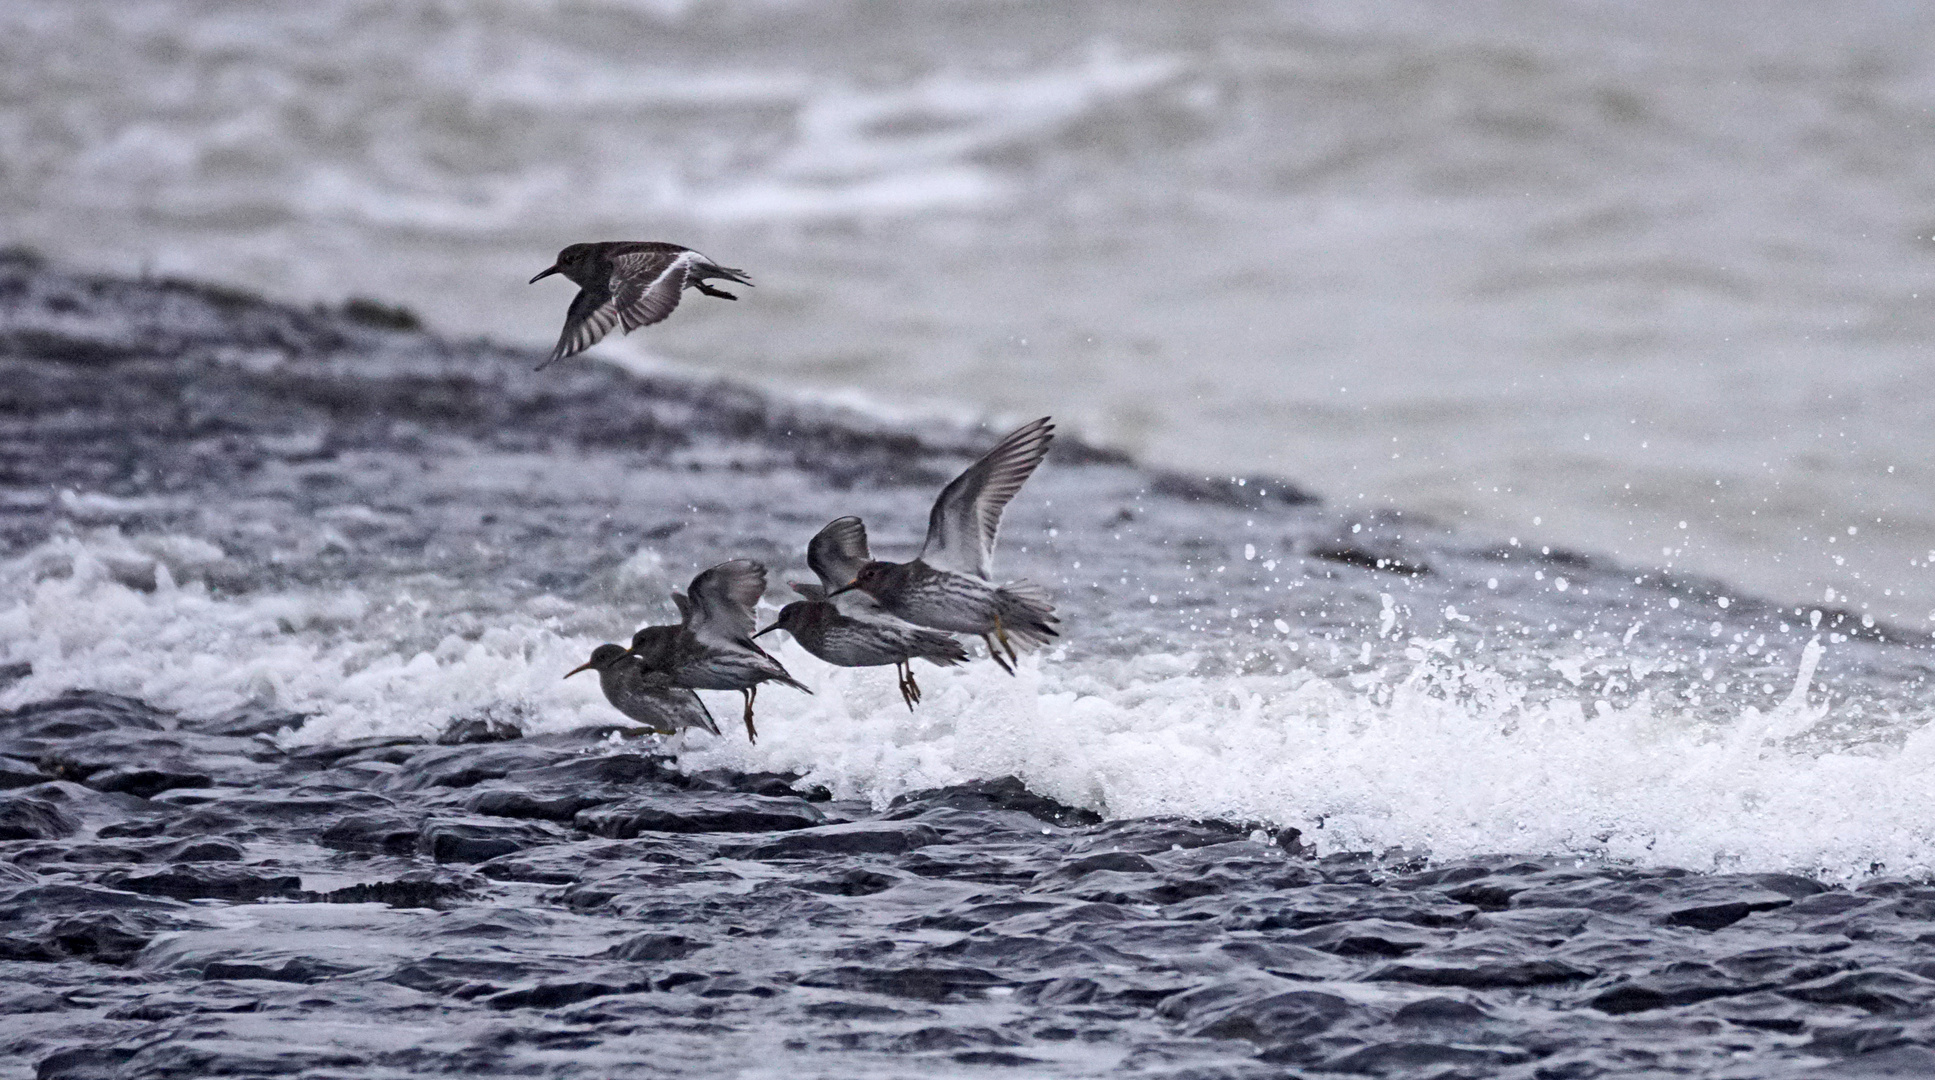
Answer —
948 585
633 282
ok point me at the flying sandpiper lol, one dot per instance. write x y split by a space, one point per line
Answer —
634 282
947 586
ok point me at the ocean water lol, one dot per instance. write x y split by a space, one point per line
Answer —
382 532
1646 279
1641 281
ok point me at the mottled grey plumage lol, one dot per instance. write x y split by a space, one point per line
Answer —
853 630
712 648
947 586
636 282
631 688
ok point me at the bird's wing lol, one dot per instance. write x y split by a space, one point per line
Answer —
648 284
837 552
693 708
723 599
962 527
680 601
811 592
591 316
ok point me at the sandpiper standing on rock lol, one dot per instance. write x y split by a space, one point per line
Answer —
628 685
947 586
712 647
637 282
853 630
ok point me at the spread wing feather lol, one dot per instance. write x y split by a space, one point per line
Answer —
648 284
961 529
591 316
837 552
722 601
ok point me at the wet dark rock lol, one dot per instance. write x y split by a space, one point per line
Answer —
23 818
920 984
1878 990
17 772
469 765
207 881
1903 1061
656 947
394 749
147 781
849 838
247 720
1262 1013
1149 835
701 812
1483 976
1369 937
1414 1059
524 804
389 833
108 938
80 712
1077 869
985 796
415 889
86 1063
478 729
480 840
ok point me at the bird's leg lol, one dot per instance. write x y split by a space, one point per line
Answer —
908 666
900 679
710 291
1002 633
752 734
994 653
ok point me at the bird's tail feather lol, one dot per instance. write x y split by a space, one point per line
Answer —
940 649
1026 613
713 270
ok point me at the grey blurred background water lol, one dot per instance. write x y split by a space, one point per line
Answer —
1650 279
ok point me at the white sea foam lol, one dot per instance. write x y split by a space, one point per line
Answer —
1439 754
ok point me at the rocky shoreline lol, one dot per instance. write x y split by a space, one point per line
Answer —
183 898
191 893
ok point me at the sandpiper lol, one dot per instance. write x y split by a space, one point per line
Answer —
712 648
628 685
947 586
853 630
637 282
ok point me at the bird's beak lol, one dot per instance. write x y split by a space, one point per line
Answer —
586 666
848 587
534 281
768 630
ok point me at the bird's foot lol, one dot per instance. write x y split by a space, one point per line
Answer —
1001 632
710 291
994 654
752 733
